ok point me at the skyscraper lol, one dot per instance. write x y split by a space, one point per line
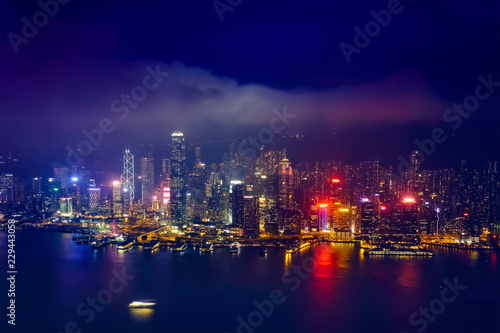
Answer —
323 217
117 198
285 184
147 179
178 179
128 173
238 204
409 216
368 225
251 216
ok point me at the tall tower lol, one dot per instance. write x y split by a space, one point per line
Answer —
197 157
238 204
285 184
147 179
128 178
178 179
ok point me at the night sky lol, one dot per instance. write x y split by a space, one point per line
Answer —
226 77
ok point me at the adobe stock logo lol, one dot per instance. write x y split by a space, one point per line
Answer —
40 19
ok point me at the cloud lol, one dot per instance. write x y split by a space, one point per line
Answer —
68 99
195 98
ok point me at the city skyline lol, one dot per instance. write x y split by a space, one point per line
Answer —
250 166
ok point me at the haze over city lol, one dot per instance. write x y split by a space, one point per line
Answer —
250 166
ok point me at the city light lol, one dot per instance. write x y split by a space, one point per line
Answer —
408 200
383 207
335 180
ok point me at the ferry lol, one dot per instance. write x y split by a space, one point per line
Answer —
291 250
181 248
207 247
125 245
398 252
304 245
234 247
98 244
263 249
146 303
151 245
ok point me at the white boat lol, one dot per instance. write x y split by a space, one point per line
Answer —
181 248
146 303
207 247
234 248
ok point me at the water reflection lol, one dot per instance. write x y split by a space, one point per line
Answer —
288 259
407 275
323 276
142 315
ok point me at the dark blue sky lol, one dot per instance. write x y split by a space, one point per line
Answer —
226 77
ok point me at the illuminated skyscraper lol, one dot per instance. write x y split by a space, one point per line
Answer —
197 157
409 216
128 173
147 180
238 204
95 196
323 217
285 184
251 216
117 198
368 225
178 179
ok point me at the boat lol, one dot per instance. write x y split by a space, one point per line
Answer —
263 249
98 244
291 250
207 247
146 303
180 248
151 245
398 252
304 245
234 247
125 245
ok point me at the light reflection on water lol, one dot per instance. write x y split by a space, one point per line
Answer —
142 315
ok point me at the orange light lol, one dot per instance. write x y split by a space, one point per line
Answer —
383 207
466 214
335 180
408 200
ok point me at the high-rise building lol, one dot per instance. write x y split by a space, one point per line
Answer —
251 216
128 174
197 157
285 184
178 179
323 217
368 225
7 188
238 204
94 197
409 216
117 198
37 185
147 180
